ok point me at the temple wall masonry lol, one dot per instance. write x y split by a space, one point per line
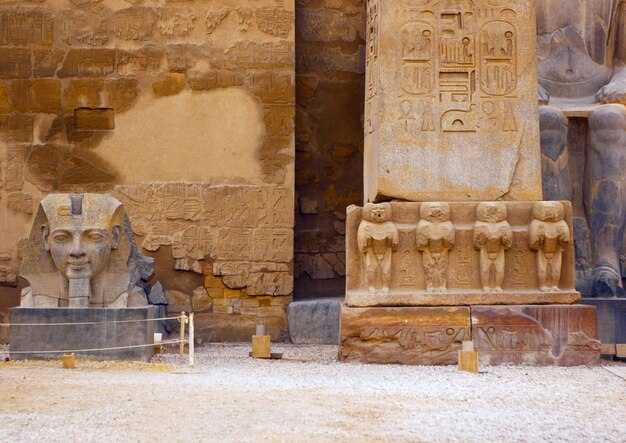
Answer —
330 73
183 110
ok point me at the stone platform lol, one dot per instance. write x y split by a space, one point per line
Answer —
557 335
611 324
93 329
460 298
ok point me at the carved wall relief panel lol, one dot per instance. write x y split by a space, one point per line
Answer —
465 253
139 99
452 90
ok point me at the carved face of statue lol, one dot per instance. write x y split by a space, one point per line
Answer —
435 212
80 251
379 213
549 212
492 212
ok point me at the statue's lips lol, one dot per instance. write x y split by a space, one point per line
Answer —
78 265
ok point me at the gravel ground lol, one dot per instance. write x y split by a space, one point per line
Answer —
307 396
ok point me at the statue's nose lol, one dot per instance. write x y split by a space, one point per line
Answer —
77 247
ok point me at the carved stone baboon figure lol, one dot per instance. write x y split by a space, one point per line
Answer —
492 237
435 236
377 239
548 234
582 70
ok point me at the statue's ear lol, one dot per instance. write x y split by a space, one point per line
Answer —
45 235
116 235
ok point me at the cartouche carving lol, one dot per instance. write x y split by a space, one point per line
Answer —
82 254
549 234
435 236
492 237
377 238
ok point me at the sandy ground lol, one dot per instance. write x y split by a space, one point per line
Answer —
307 396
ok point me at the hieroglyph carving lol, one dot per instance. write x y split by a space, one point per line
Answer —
492 237
449 78
377 238
435 236
549 234
244 228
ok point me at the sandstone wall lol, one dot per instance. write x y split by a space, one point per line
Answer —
330 46
184 110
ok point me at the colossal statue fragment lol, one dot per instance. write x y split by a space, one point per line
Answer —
582 73
82 253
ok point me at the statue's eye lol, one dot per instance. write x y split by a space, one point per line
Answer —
95 236
60 237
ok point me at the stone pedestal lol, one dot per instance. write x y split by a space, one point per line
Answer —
611 324
34 334
407 336
558 335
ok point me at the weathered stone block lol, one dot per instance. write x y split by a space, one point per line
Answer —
85 332
94 119
88 63
43 95
15 63
171 84
27 25
261 346
414 336
536 335
611 321
314 321
451 101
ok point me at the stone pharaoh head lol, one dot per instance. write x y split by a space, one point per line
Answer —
82 252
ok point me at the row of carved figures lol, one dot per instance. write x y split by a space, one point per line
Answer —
548 232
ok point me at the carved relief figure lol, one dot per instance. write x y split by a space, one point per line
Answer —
549 233
435 236
492 237
81 254
377 239
582 63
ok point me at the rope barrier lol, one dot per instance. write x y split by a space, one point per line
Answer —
90 323
182 318
168 342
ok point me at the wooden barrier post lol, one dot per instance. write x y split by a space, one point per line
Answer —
192 357
468 358
181 346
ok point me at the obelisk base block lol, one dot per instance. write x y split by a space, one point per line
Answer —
611 324
557 335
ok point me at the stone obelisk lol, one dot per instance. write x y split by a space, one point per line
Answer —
454 242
